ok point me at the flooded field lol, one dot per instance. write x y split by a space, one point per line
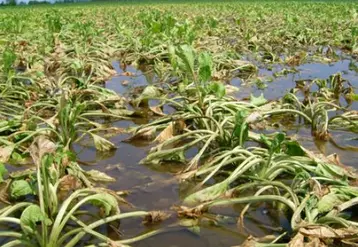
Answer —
157 188
184 124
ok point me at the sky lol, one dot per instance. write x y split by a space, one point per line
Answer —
27 1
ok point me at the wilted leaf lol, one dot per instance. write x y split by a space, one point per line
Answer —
253 117
325 232
195 230
99 176
20 188
154 217
30 217
189 222
150 92
334 159
102 144
258 101
107 201
40 147
231 89
22 173
157 110
5 153
146 134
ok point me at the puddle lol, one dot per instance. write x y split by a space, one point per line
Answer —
281 85
129 77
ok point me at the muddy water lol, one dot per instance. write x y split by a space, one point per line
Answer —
156 188
281 85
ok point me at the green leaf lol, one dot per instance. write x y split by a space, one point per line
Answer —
187 54
276 142
329 201
3 172
241 126
205 67
20 188
354 96
218 89
173 57
258 101
293 148
30 216
107 201
17 157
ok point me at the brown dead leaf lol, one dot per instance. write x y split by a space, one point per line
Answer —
297 241
69 183
174 128
315 242
166 134
4 196
127 73
157 110
5 153
186 212
318 189
41 146
324 232
155 217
